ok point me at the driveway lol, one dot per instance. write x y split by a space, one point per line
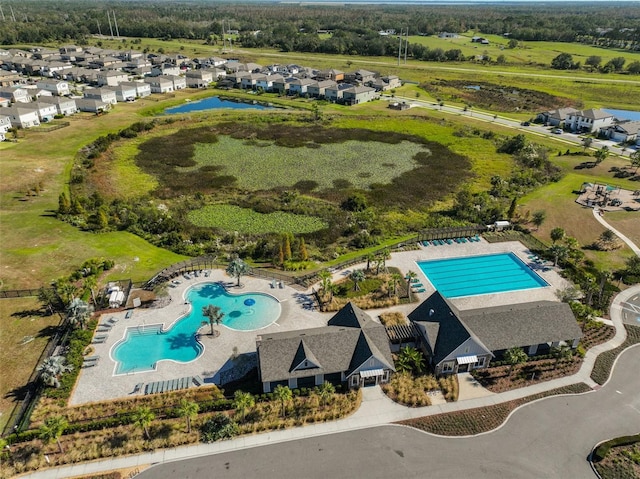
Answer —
548 439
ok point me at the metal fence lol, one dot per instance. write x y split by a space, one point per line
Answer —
47 129
19 293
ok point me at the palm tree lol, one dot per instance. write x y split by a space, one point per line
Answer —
396 278
242 401
51 368
214 315
370 257
90 283
515 356
52 429
79 312
48 298
325 281
557 234
66 291
634 158
409 277
357 276
382 260
237 268
586 143
284 395
189 410
560 353
143 417
602 154
559 252
326 390
410 359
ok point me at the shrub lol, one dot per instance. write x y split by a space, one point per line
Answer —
220 426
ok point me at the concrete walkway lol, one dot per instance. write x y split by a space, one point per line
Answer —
376 409
598 216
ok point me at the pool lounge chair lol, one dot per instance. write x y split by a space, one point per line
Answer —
421 290
197 380
137 388
99 339
104 328
273 284
128 315
449 241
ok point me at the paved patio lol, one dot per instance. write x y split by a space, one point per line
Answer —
100 382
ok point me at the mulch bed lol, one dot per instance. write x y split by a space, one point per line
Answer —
617 465
475 421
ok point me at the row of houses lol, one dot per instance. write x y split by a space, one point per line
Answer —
596 121
355 350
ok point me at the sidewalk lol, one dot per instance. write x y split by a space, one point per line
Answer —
600 219
376 409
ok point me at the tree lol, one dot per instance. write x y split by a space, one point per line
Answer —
357 276
615 64
304 255
515 356
593 61
90 283
326 390
242 401
66 291
538 218
559 252
287 249
213 314
634 158
284 395
395 279
52 429
634 67
557 234
51 368
370 257
602 154
410 359
586 143
382 260
220 426
513 43
64 204
49 299
564 61
237 268
355 202
189 410
143 417
79 312
512 208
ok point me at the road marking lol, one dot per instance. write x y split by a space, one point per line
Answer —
618 392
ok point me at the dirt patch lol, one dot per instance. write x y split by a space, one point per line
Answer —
495 97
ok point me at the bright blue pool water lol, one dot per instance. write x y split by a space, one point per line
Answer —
213 103
143 346
624 114
474 275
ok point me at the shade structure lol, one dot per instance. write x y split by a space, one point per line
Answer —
467 359
371 373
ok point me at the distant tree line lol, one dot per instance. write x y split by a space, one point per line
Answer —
294 26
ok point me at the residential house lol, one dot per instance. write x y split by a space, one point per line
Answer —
624 131
448 35
359 94
179 82
59 88
199 78
352 349
330 74
5 126
392 81
159 84
590 121
266 82
20 116
555 117
64 106
111 77
142 89
298 86
317 89
8 78
281 85
458 341
165 69
16 95
46 111
104 95
126 92
93 105
249 82
52 69
334 93
360 77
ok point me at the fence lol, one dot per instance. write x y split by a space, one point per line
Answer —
19 293
47 129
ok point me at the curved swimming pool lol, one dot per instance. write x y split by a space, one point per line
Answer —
144 345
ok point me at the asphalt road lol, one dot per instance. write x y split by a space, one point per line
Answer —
547 439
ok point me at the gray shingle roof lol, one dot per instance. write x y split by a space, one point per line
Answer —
345 344
497 328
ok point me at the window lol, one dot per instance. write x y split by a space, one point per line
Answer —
447 367
479 363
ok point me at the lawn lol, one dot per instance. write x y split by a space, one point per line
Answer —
25 333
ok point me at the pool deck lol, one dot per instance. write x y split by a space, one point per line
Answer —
98 383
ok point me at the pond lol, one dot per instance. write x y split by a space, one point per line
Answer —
214 103
624 114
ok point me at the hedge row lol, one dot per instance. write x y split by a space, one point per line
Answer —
603 449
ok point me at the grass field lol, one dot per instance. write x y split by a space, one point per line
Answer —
25 333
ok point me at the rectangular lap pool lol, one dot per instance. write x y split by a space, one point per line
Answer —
474 275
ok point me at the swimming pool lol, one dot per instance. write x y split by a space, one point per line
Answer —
144 345
475 275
